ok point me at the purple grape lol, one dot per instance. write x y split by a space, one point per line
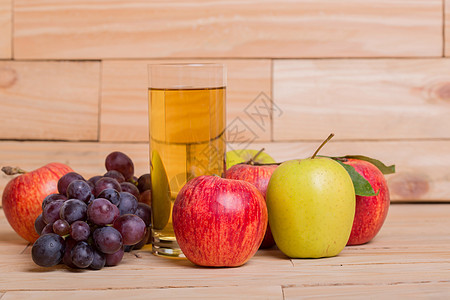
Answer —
47 229
144 183
115 258
67 258
82 255
80 231
73 210
130 188
61 227
92 186
145 213
131 227
94 179
99 261
106 183
65 180
102 212
48 250
79 189
120 162
39 224
107 239
128 203
51 198
110 194
116 175
51 211
143 242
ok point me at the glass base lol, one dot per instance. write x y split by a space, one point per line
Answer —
166 247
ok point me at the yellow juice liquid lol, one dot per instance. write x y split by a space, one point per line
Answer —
186 140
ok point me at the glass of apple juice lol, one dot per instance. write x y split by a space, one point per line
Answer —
186 133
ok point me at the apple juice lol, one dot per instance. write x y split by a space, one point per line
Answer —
186 140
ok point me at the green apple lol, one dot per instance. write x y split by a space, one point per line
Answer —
311 204
235 157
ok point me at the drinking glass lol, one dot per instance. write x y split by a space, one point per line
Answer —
186 134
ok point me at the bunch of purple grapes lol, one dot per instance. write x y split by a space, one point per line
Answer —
91 223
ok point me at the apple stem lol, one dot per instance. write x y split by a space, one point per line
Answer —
251 161
13 170
323 144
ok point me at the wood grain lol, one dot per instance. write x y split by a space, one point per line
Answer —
422 166
5 28
362 99
155 29
225 293
49 100
124 106
447 28
403 256
435 290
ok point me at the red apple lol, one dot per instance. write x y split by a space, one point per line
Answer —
371 211
219 222
23 196
259 176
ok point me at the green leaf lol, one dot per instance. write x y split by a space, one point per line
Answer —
383 168
361 185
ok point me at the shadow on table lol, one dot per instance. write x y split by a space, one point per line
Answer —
271 254
13 238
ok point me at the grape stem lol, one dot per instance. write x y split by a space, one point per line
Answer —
13 170
323 144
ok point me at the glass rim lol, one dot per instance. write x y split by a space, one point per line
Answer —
186 74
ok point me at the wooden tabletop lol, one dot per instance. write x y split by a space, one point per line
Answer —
410 257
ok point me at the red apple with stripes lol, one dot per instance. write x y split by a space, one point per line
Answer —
258 175
23 195
371 211
219 222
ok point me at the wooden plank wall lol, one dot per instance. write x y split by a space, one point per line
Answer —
73 79
250 28
447 28
5 29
